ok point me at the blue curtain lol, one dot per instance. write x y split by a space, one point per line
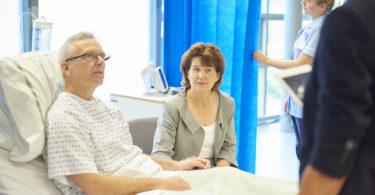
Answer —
232 25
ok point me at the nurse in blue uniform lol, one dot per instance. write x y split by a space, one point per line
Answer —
303 53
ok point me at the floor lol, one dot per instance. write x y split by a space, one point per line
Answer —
276 152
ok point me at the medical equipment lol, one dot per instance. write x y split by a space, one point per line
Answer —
41 34
154 79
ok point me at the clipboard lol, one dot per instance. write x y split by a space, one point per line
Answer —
293 80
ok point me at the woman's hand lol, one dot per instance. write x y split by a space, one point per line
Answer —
260 57
222 163
193 162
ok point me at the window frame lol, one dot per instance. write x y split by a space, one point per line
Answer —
263 69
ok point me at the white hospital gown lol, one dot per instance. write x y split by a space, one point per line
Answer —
85 137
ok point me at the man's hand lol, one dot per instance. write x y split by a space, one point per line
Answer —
175 183
260 57
194 163
222 163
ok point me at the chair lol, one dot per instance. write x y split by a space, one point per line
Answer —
142 131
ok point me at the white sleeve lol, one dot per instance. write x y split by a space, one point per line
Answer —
312 44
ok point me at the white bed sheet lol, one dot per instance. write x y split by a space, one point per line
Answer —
228 181
24 177
214 181
31 178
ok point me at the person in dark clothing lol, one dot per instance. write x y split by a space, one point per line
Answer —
338 137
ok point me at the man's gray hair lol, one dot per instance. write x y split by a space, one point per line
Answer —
66 47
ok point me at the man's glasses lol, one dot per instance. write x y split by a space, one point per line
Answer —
90 56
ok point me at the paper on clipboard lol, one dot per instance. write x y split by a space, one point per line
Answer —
293 80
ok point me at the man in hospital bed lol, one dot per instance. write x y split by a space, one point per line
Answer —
90 150
88 140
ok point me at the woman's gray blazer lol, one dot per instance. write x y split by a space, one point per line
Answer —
179 135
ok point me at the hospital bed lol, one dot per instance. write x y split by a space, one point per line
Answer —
29 83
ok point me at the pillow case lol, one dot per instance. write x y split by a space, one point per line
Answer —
29 83
4 124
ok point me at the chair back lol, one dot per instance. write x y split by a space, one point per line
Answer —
142 131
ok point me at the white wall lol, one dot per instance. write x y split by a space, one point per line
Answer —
121 26
10 30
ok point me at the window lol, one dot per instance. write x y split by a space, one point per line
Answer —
276 6
276 95
271 95
123 28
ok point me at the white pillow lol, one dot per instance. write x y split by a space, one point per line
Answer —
4 142
29 83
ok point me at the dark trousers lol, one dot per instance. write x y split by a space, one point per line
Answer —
297 126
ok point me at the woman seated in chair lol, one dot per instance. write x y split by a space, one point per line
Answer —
198 121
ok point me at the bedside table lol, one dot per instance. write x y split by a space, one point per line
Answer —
138 106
